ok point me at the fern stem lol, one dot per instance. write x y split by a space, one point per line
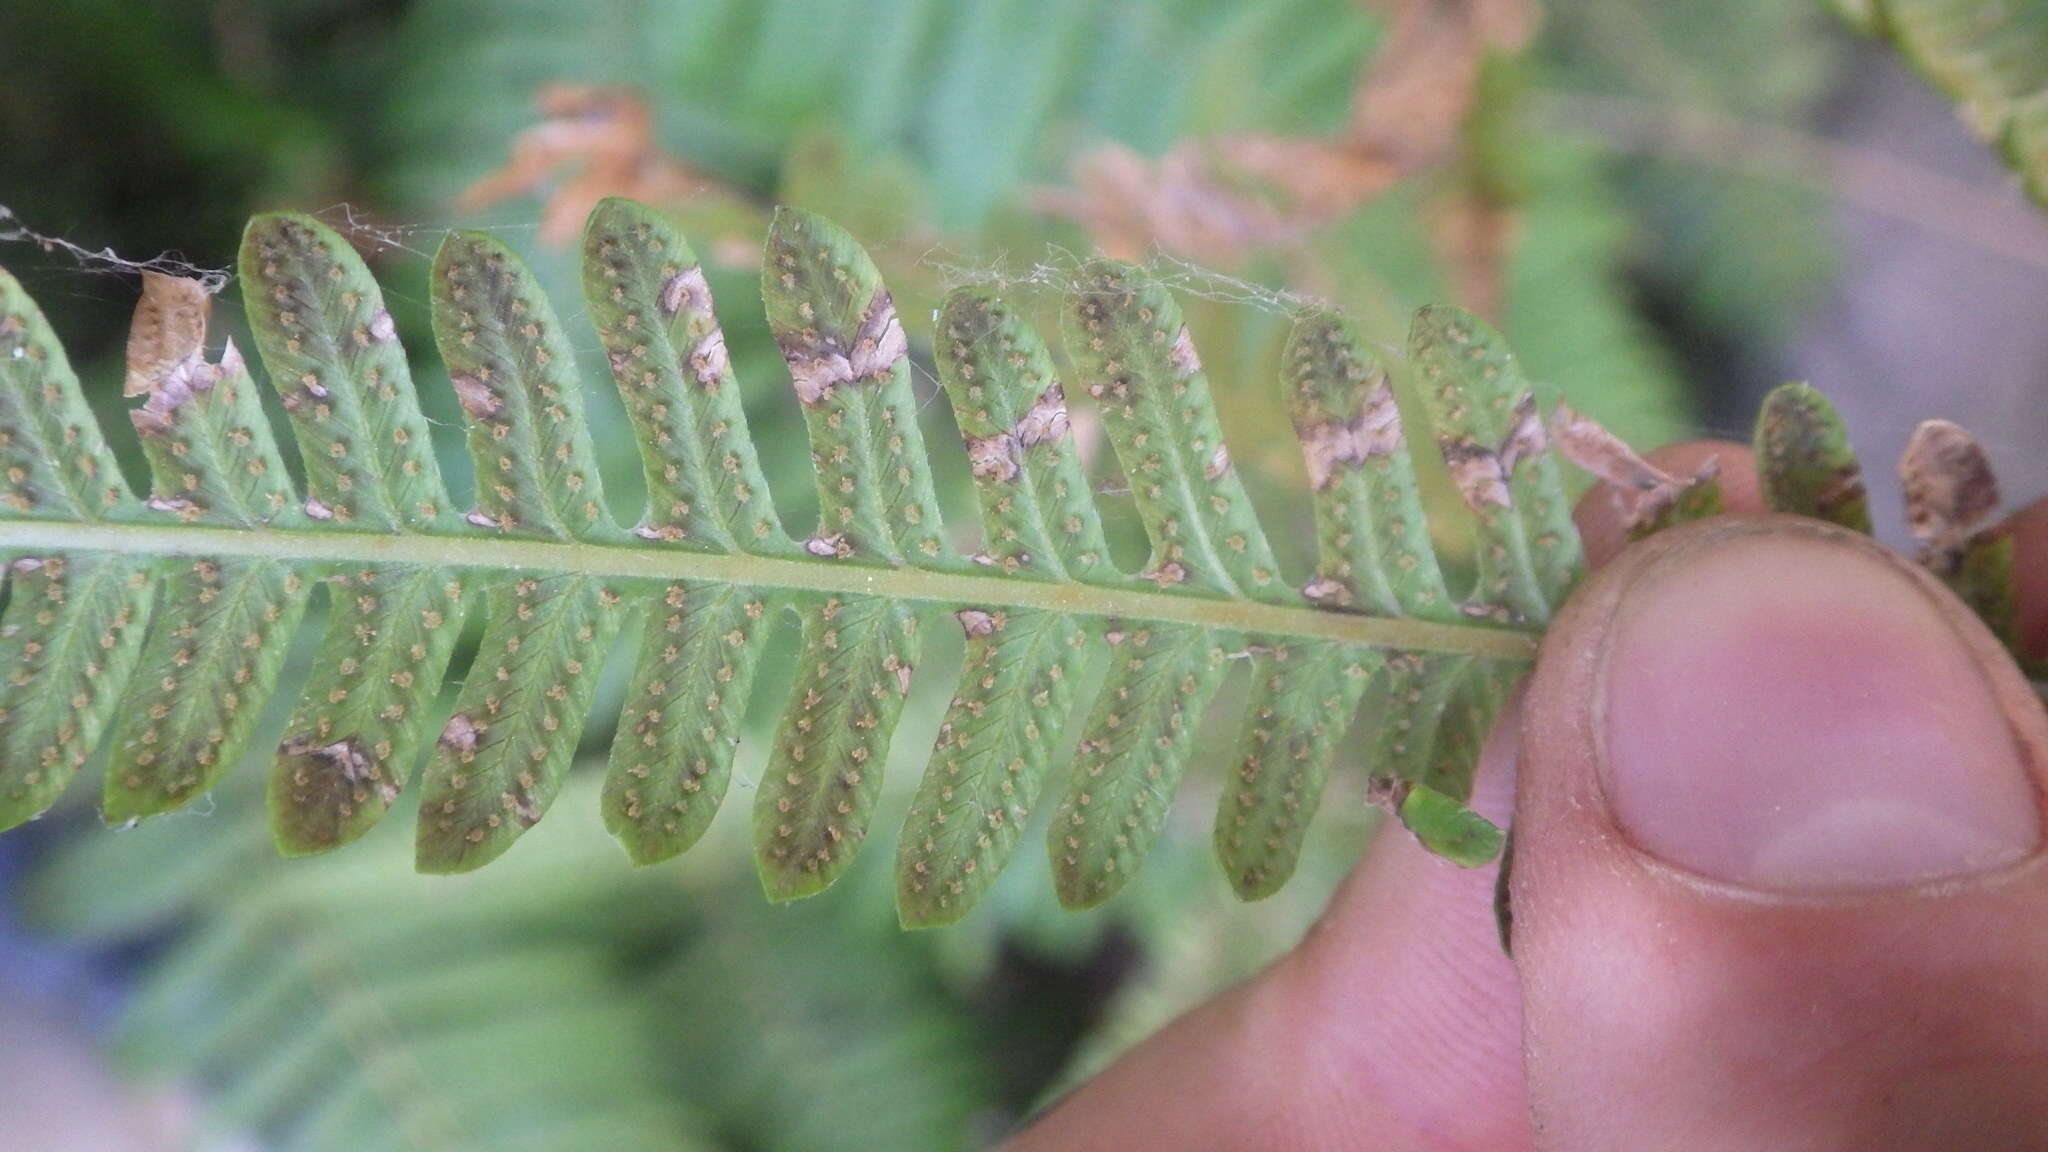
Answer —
639 562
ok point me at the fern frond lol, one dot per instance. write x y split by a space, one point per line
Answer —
1990 56
222 557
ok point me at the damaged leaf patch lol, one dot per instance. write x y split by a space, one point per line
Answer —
1950 490
167 332
1648 498
1482 474
1951 498
818 362
1376 432
1804 463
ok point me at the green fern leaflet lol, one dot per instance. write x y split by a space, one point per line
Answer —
150 629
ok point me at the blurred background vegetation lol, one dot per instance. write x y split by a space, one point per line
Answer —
1668 206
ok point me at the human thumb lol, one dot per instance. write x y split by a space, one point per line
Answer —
1777 881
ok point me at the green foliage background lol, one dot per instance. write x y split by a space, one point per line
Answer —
561 999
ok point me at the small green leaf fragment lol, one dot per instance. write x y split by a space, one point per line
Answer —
1133 751
1698 500
69 639
206 669
672 757
334 359
1037 510
1302 700
1986 579
825 770
997 741
1449 829
502 754
1804 463
362 719
1135 353
514 373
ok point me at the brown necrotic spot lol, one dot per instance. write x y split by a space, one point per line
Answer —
976 622
1526 438
1182 355
1046 420
1219 463
993 457
708 360
1477 472
997 457
170 390
1375 432
820 362
828 546
685 288
1322 589
475 396
460 734
1482 473
345 757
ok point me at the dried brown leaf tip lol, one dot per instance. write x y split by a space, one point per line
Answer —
593 142
168 331
166 360
1950 491
1647 496
1951 499
1220 198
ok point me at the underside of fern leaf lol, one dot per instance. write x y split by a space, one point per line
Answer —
151 629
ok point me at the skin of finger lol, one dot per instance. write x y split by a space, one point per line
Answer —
1598 515
1395 1025
1662 1010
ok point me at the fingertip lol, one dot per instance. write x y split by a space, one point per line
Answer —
1748 935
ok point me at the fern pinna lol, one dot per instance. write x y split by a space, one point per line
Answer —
153 627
